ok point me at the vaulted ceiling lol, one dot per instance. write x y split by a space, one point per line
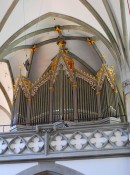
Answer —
25 23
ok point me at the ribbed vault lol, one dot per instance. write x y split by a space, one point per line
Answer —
24 24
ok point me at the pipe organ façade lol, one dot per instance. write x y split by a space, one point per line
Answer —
64 93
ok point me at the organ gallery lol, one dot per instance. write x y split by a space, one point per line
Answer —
66 93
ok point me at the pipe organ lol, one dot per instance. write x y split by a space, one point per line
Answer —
87 101
64 93
39 112
108 100
20 108
62 97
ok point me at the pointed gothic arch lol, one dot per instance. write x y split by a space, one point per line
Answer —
49 168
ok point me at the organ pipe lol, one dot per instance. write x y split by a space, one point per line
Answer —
67 97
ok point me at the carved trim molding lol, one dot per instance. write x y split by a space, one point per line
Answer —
107 72
67 62
46 142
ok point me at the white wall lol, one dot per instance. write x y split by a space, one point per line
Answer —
4 120
12 169
105 166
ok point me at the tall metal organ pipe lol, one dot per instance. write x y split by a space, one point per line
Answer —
53 101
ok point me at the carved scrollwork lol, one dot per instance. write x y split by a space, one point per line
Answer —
88 78
67 64
108 73
45 77
25 85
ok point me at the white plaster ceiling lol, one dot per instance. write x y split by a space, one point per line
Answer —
5 5
6 88
109 58
17 59
100 8
127 10
42 59
3 102
47 23
4 120
5 79
115 5
79 18
85 52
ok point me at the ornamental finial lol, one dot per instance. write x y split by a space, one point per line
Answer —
103 56
34 48
90 41
57 29
20 69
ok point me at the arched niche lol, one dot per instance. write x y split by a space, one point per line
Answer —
49 168
47 173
